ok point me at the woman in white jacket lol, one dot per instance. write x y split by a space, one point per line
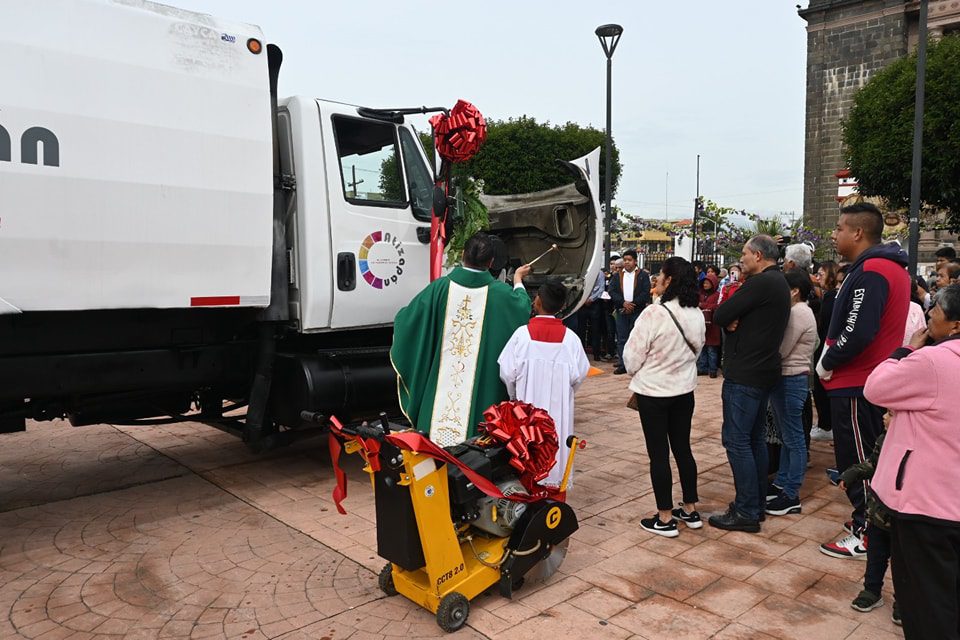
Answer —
661 357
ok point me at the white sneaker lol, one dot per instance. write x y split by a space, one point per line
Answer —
851 546
819 434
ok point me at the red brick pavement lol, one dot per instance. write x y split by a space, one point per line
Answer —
180 532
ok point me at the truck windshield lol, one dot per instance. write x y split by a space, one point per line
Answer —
419 177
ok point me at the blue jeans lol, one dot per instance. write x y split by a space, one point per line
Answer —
744 427
787 400
625 324
709 359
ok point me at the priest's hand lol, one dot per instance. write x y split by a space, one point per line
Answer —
521 273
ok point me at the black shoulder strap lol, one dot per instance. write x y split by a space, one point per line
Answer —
679 328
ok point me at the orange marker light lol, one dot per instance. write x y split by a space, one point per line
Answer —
254 46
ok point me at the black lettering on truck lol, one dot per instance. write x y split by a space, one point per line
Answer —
29 142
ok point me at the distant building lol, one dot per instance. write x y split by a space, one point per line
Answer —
848 41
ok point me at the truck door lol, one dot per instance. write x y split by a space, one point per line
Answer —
379 217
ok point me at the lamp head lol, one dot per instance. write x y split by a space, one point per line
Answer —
609 35
608 30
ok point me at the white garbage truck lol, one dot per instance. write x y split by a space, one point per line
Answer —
177 243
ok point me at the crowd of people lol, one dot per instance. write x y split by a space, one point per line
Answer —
872 352
875 352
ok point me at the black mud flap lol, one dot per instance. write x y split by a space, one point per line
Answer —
542 526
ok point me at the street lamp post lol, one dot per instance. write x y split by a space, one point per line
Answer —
609 35
914 242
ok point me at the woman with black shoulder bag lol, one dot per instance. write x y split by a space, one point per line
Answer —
661 357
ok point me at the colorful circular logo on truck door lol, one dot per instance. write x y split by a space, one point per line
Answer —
381 259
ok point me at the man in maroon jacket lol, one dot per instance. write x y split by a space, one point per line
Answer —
867 324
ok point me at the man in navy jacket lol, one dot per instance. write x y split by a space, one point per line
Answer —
629 295
867 325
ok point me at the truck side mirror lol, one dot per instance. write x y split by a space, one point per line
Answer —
440 201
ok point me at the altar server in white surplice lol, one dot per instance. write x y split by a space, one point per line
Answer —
543 364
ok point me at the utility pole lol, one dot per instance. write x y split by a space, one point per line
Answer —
696 212
914 244
355 182
666 196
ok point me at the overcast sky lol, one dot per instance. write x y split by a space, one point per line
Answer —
722 79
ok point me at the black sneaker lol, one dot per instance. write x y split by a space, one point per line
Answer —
733 521
867 601
692 519
732 507
895 614
665 529
773 492
783 506
619 371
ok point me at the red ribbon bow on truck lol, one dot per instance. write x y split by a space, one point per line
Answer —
457 136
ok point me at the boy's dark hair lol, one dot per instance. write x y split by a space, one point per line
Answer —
478 251
946 252
630 252
553 296
799 279
868 217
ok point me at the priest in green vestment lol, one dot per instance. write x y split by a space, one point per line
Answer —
447 340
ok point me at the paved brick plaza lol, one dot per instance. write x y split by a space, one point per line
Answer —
179 532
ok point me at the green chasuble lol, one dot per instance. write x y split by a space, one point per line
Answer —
445 348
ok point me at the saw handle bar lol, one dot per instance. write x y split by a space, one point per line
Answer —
377 431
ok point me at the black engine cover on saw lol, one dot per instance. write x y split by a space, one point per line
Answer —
542 526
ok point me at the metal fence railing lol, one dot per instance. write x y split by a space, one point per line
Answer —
653 260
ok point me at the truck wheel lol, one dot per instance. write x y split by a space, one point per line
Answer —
386 580
453 611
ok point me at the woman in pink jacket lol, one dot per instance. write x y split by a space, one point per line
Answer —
918 473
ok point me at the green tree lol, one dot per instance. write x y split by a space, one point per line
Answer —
772 227
878 132
391 179
520 155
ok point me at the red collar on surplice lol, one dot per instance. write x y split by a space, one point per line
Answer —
543 329
418 443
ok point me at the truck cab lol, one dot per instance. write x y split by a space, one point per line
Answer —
360 238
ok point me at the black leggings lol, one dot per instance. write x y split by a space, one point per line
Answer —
666 427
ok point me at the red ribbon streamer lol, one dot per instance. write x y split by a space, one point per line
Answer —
438 237
417 442
458 136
